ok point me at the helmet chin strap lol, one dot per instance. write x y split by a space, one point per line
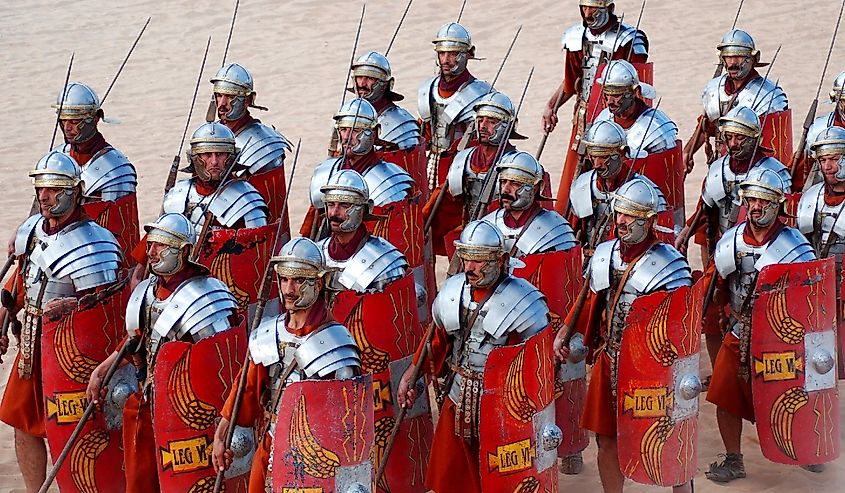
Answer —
601 19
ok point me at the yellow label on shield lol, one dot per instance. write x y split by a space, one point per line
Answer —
187 455
775 367
649 402
512 457
67 407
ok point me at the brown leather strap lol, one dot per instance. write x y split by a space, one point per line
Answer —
621 286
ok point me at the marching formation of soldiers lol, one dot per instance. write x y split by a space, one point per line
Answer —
210 350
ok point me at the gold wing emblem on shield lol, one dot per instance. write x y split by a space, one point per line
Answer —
73 363
782 416
83 456
651 447
382 433
196 414
316 460
528 485
657 335
783 325
373 359
517 401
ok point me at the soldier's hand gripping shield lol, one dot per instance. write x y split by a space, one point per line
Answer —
793 362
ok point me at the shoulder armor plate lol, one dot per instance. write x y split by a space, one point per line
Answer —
375 265
457 169
573 37
109 175
547 232
762 96
446 308
398 126
262 148
86 252
459 108
388 183
816 128
808 206
176 199
600 264
662 132
581 195
424 98
725 256
661 266
239 200
714 182
327 350
197 304
24 233
789 246
263 341
515 306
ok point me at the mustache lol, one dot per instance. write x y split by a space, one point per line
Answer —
507 196
336 220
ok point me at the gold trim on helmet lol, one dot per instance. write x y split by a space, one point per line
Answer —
367 70
827 147
733 126
493 111
519 176
603 150
76 112
224 85
477 253
837 94
43 178
760 192
630 208
289 266
207 145
595 3
355 199
175 239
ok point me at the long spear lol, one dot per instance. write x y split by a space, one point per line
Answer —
811 113
126 59
399 26
263 295
174 166
211 112
61 103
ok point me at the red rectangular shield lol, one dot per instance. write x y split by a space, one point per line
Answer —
121 218
271 186
658 386
645 71
793 362
517 418
413 161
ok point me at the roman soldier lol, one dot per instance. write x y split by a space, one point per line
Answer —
262 148
494 113
62 255
741 254
633 264
110 178
356 123
720 200
232 204
741 86
303 343
597 39
359 260
476 312
820 216
807 170
180 305
446 100
649 131
592 192
550 259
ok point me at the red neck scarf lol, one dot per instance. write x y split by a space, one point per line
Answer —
84 151
204 189
238 125
771 234
527 214
363 163
76 215
482 158
166 288
382 104
448 88
344 251
731 87
631 252
832 197
318 314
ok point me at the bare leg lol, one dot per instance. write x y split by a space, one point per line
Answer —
608 461
32 459
683 488
730 427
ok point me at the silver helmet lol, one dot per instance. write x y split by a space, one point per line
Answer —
831 141
59 170
301 258
482 241
607 139
209 137
348 187
79 102
235 80
620 77
603 14
641 200
737 42
374 64
455 37
499 106
176 232
837 93
763 183
522 168
359 113
742 121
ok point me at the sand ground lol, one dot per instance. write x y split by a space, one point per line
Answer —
298 53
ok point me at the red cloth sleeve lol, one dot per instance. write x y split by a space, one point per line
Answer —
251 404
